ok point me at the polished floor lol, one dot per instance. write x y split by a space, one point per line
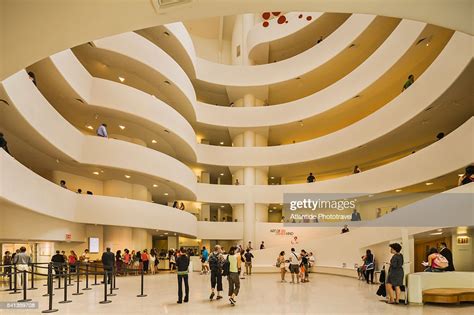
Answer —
259 294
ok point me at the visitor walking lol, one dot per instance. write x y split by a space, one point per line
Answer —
182 266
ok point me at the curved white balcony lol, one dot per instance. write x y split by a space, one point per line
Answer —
259 35
127 100
440 158
102 21
341 91
24 188
446 68
140 49
55 130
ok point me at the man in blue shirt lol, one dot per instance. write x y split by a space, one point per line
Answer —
204 260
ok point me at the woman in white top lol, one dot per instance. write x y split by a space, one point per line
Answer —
151 265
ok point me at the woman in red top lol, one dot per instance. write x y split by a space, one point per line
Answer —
72 259
145 260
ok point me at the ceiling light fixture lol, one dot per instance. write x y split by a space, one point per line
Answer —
270 210
90 127
95 173
155 185
398 190
127 176
121 79
166 194
222 206
274 208
221 143
122 127
370 196
166 233
429 184
436 233
154 141
221 174
273 177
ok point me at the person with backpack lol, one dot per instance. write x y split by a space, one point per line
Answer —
216 262
435 261
294 266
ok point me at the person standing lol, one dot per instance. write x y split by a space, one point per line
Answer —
248 262
395 274
3 143
233 277
118 262
58 263
216 262
72 260
262 246
145 261
22 260
204 259
85 256
108 259
7 260
310 178
448 255
369 264
182 266
281 264
304 266
62 183
355 216
409 82
294 266
102 131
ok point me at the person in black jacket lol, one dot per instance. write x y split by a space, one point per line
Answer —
182 265
58 263
448 255
108 260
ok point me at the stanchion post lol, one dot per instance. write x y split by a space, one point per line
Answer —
15 280
105 301
87 278
95 275
65 287
114 274
50 291
111 278
77 281
33 268
10 278
24 275
141 285
58 275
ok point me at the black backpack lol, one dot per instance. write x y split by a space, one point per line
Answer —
226 267
214 262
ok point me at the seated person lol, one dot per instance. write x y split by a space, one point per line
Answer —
435 261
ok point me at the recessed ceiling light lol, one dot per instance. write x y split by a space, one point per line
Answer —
121 79
95 173
127 176
90 127
221 143
428 184
221 174
460 175
398 190
122 127
101 171
155 185
274 208
154 141
270 210
439 230
273 177
436 233
222 206
161 235
166 194
166 233
370 196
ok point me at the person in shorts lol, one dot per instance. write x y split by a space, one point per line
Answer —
294 265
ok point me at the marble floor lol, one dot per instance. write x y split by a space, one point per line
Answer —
259 294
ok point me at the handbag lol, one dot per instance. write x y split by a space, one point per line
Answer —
226 267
